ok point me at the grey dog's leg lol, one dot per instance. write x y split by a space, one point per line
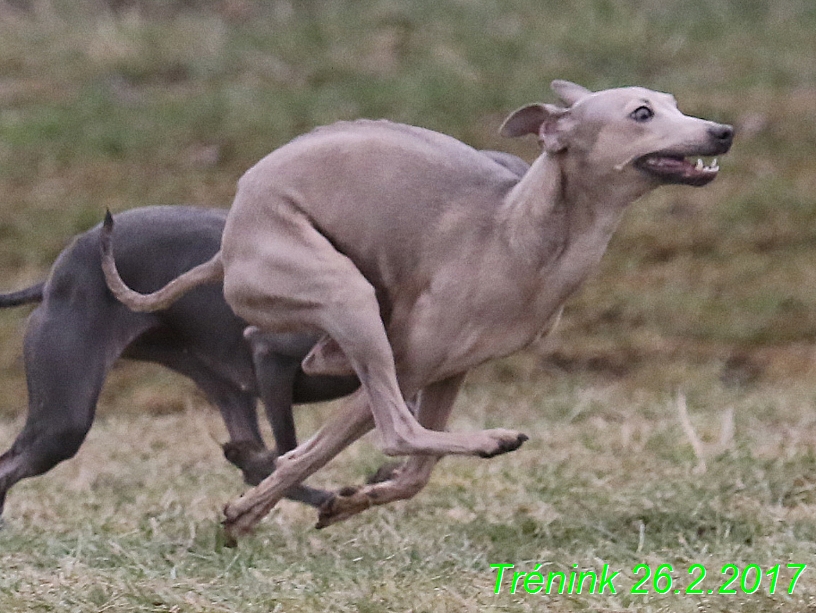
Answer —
276 359
67 356
276 378
245 448
251 454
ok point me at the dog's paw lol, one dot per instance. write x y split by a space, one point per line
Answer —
242 515
345 503
504 441
255 461
233 527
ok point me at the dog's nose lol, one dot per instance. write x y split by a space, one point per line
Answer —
723 133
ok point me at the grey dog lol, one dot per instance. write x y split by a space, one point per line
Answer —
79 330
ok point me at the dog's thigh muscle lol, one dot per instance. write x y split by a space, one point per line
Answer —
289 277
282 274
69 350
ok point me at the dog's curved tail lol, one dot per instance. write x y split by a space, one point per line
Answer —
24 296
211 270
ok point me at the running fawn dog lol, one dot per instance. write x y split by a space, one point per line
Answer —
417 258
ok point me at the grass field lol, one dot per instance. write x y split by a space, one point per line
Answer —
706 299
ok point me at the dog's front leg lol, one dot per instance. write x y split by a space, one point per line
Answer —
350 423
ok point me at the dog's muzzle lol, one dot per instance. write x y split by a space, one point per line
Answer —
673 166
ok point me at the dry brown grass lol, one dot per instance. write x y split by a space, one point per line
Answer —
610 476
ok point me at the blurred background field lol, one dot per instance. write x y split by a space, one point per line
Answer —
127 103
712 292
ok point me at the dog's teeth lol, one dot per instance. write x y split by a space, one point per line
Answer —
699 164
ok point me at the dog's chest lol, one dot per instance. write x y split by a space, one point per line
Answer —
464 317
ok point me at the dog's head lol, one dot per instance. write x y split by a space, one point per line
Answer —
631 133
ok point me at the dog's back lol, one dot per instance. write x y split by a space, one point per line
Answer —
423 193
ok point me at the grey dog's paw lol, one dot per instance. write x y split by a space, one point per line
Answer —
254 460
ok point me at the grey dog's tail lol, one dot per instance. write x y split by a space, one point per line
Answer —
211 270
24 296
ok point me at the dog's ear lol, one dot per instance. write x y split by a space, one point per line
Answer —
548 122
569 93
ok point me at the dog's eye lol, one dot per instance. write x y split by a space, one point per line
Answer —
642 113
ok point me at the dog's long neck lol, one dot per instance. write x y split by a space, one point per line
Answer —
535 203
559 221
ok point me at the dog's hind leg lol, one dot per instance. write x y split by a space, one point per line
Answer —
68 353
354 419
246 448
285 275
276 359
433 410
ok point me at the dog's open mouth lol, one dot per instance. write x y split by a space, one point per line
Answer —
670 168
